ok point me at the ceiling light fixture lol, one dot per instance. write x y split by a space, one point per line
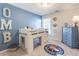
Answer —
45 4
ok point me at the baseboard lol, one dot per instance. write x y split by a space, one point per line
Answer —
4 51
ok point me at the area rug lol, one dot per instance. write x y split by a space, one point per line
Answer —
53 49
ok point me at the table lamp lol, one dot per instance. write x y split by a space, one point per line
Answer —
75 20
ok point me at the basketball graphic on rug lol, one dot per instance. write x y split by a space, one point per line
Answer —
53 49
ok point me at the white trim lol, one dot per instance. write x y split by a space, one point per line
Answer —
4 51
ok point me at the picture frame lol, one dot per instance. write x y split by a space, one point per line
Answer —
54 25
55 19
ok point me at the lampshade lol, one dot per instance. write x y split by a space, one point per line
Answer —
75 19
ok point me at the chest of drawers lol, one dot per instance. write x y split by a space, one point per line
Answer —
70 36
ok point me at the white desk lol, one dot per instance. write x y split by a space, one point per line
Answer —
29 37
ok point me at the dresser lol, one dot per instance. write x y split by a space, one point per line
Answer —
70 36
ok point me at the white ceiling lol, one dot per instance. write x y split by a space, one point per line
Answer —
38 9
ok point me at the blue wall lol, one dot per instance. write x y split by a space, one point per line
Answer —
21 18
